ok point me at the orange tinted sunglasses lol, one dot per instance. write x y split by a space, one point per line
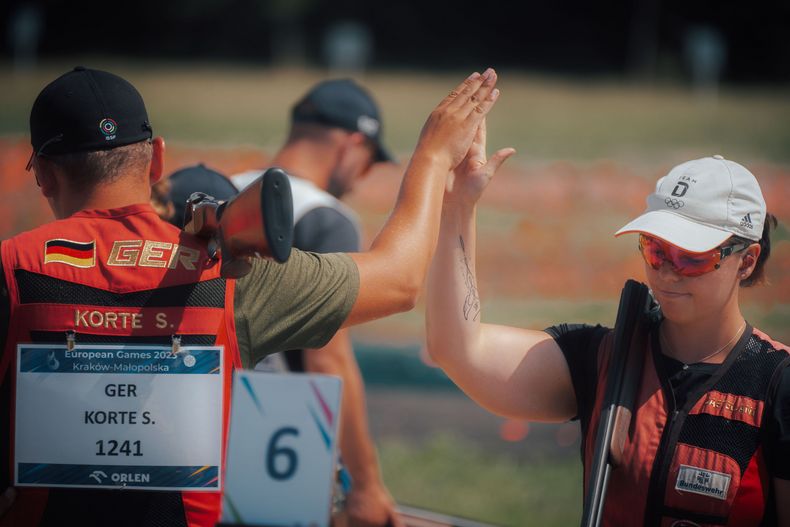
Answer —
656 252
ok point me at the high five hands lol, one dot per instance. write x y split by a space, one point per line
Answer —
454 124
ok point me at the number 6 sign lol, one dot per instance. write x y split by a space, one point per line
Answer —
282 449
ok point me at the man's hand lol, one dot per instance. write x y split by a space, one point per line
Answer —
450 128
371 507
470 178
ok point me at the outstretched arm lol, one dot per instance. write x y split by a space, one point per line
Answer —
510 371
392 272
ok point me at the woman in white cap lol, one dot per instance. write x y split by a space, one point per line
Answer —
709 443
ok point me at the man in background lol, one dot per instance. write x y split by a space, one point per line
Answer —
194 178
334 140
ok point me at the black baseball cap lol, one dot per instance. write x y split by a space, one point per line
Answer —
86 110
344 104
197 178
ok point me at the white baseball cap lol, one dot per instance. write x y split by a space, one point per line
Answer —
702 203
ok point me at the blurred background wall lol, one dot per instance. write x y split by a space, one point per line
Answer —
642 38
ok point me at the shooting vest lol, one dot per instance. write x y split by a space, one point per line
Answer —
701 464
113 276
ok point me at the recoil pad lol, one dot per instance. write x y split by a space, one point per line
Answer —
257 222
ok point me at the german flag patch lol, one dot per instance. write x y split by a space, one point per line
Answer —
76 254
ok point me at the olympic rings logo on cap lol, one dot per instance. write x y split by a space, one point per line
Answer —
674 203
108 127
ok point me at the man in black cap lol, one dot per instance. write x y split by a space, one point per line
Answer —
195 178
109 271
335 139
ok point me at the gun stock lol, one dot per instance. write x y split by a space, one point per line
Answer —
629 389
258 222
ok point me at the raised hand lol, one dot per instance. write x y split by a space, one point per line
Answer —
451 127
392 273
472 175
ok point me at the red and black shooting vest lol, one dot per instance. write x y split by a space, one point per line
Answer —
113 276
701 464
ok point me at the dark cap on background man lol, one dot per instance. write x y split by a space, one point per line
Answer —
197 178
86 110
344 104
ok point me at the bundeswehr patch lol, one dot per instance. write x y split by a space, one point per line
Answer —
701 481
76 254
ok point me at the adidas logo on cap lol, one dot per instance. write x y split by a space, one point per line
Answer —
746 221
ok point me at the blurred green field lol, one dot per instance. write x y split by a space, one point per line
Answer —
544 118
456 477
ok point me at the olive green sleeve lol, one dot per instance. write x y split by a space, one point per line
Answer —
298 304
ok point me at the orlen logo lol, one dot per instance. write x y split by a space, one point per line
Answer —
130 477
120 477
98 475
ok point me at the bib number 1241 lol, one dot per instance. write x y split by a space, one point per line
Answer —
112 447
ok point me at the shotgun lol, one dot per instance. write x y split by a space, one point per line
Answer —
622 386
258 222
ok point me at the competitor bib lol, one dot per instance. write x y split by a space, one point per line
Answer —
111 416
282 449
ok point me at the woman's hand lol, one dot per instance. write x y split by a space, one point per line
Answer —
470 178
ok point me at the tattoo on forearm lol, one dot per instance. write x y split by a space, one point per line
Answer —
472 300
